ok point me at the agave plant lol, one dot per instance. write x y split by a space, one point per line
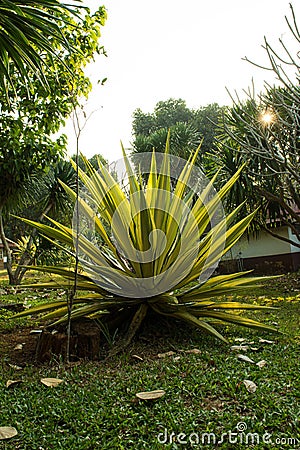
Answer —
153 246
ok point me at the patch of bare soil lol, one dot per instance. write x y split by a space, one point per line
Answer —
18 347
156 336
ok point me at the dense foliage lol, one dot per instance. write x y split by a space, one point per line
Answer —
34 113
188 128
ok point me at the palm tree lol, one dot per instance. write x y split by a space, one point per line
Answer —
45 196
25 29
184 138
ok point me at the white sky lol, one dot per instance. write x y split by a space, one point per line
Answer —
189 49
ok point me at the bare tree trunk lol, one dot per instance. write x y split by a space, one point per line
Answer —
7 250
15 277
27 258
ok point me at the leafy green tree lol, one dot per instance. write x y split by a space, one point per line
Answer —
183 139
205 120
170 112
188 128
143 123
93 161
28 121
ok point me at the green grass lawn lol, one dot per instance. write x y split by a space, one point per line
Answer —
205 398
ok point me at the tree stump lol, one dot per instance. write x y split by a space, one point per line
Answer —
84 342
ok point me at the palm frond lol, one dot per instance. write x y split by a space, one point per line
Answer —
25 29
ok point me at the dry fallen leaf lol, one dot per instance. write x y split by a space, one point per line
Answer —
242 348
239 339
7 432
246 359
266 341
196 351
10 383
150 395
261 363
14 366
139 358
250 386
18 347
51 382
164 355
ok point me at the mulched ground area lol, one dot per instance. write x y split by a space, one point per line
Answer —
9 343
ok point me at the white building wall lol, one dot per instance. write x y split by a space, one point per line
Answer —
261 245
294 238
